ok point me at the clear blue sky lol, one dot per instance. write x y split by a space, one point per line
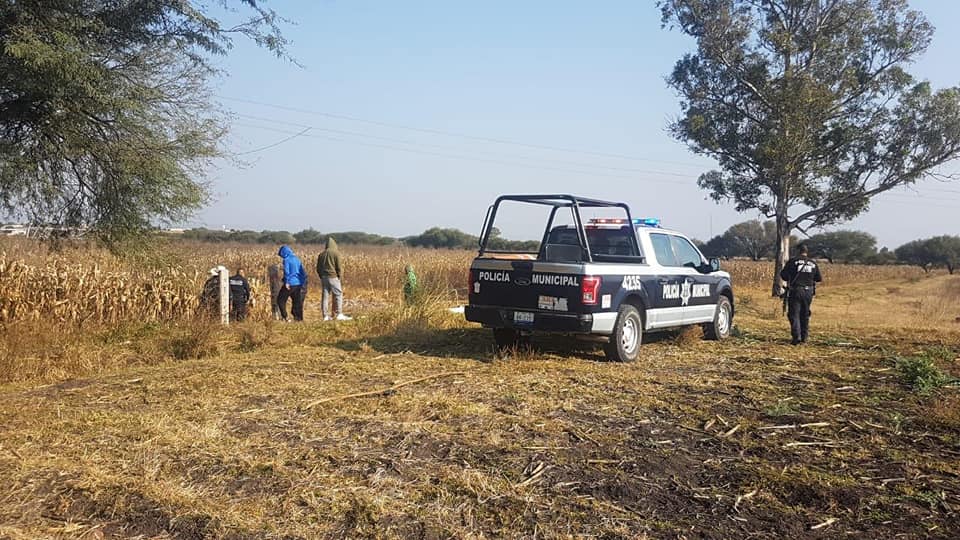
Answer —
584 76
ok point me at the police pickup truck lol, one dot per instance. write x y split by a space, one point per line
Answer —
611 279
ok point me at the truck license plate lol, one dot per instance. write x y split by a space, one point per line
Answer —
522 317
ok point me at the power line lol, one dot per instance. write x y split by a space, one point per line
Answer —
304 133
925 205
278 143
475 137
472 158
443 147
494 140
908 199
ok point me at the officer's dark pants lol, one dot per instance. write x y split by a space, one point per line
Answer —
238 312
798 311
295 294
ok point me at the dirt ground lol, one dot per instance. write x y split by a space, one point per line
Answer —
746 438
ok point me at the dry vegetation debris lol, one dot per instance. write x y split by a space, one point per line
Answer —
712 440
402 424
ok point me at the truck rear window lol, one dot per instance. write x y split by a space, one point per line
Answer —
603 241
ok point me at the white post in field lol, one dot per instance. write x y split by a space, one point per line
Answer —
224 295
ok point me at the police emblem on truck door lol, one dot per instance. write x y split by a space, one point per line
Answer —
684 290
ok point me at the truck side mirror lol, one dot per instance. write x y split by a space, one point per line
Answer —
714 264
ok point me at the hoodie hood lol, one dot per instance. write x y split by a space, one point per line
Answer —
331 244
293 272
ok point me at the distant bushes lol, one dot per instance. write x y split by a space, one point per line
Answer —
435 237
442 238
751 239
755 240
939 251
307 236
457 239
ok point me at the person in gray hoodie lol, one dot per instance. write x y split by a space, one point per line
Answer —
330 270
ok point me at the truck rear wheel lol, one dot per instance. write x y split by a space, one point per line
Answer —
507 338
627 334
722 321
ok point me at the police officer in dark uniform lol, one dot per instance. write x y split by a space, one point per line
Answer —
802 275
239 296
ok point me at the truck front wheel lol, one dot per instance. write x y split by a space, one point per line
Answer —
722 323
627 334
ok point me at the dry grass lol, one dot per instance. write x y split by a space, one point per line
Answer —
89 286
745 438
56 306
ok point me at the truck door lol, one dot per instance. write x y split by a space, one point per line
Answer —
666 308
698 290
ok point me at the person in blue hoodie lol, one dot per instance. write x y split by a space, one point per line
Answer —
294 284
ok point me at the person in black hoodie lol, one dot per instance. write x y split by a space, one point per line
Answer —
802 275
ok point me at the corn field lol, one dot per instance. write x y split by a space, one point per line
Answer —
91 286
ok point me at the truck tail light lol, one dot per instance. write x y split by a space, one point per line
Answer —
470 281
590 289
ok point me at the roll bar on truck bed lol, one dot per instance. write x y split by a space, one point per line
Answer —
556 202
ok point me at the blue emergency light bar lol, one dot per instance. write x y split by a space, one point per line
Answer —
647 222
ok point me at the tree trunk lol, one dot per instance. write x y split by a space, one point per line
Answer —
782 251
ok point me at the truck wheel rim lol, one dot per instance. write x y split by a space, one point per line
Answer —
723 321
628 336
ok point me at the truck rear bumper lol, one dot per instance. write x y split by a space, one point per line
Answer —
500 317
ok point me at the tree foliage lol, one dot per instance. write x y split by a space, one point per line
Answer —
943 251
843 246
915 253
946 251
437 237
309 236
105 115
884 256
806 105
720 246
752 238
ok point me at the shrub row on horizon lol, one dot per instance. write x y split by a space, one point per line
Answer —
435 237
750 239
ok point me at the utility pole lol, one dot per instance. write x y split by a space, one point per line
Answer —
224 294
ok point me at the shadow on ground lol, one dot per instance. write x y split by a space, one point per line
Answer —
471 343
477 344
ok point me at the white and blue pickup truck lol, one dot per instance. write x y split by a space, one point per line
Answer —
607 279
